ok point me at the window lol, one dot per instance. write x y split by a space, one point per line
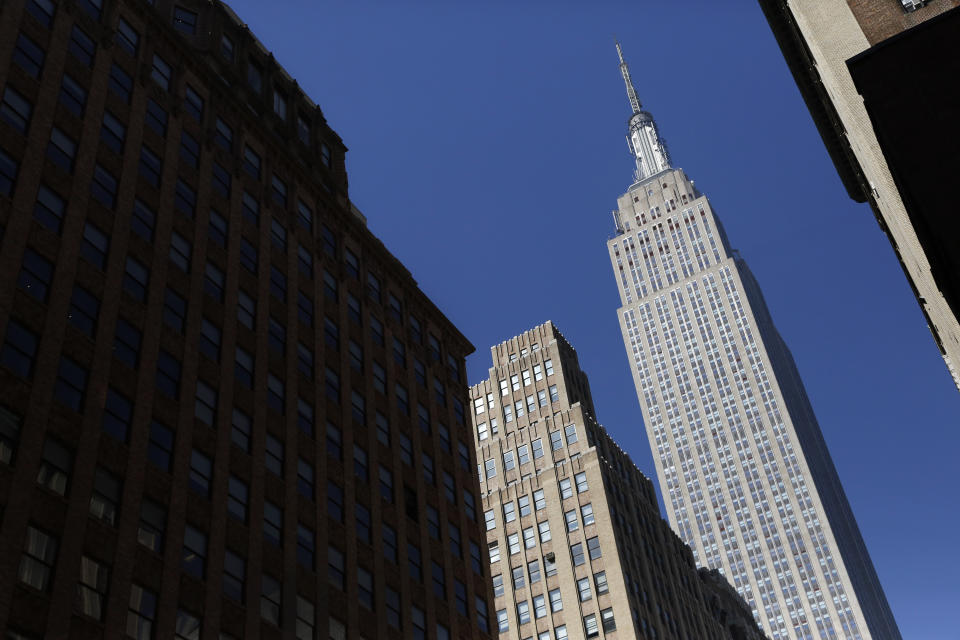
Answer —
273 456
92 587
255 77
214 281
306 548
581 480
238 494
156 118
190 154
335 501
112 132
600 581
234 575
193 103
325 154
223 134
205 408
143 220
335 567
414 562
365 588
127 37
272 522
160 446
15 109
120 83
141 613
508 462
180 250
593 544
246 310
305 478
62 149
184 20
240 429
609 624
544 529
539 501
383 429
389 543
84 309
39 556
19 349
185 198
278 284
481 608
334 441
104 187
270 599
71 384
187 626
28 55
201 472
305 416
161 72
406 450
82 46
587 512
554 394
513 542
556 602
194 558
8 174
55 467
305 215
221 180
251 162
127 342
152 524
35 275
556 440
250 208
42 10
278 192
503 623
529 538
174 313
93 7
566 488
10 424
226 48
218 229
590 626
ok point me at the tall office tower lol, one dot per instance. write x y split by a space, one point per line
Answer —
744 471
226 410
575 539
861 68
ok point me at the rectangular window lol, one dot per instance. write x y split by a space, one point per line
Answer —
161 72
28 55
15 109
240 429
544 530
42 10
593 545
120 83
180 250
581 480
270 599
533 569
193 103
160 446
214 281
189 150
92 587
194 558
153 521
587 512
56 466
81 46
10 426
223 134
38 559
335 567
272 523
105 499
205 407
84 309
201 473
156 118
143 221
62 149
246 310
174 311
238 494
220 180
112 132
184 20
306 547
185 198
71 385
255 77
104 187
234 575
127 37
556 602
126 344
8 174
35 276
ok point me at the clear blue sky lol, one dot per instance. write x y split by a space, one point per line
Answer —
487 150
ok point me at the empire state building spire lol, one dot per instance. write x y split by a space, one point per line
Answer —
644 141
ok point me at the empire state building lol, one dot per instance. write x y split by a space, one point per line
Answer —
745 473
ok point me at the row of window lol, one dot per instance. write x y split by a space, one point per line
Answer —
522 456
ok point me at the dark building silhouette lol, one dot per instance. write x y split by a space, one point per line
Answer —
226 410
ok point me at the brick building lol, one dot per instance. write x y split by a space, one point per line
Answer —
576 542
226 410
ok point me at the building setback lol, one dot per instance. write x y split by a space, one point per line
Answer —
745 473
576 544
861 67
226 410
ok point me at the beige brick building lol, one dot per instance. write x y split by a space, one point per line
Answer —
575 539
879 79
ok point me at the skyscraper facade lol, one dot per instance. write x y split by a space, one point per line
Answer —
745 474
575 541
226 410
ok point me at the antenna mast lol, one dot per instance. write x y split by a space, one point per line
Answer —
625 72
